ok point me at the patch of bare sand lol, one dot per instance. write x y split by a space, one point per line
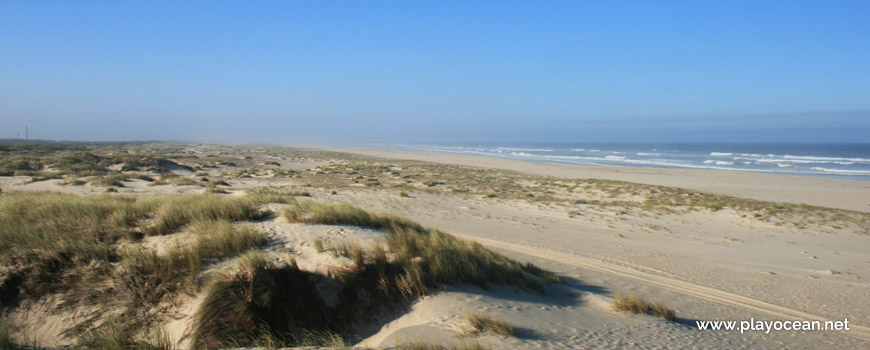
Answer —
723 251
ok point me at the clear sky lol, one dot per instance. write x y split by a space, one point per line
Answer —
476 71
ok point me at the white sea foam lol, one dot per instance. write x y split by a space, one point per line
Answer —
801 161
523 154
524 149
842 172
857 160
787 164
720 165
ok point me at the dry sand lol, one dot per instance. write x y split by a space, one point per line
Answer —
706 265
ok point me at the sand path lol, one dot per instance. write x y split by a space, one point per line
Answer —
668 283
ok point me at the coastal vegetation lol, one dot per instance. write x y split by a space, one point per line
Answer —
89 250
637 305
482 323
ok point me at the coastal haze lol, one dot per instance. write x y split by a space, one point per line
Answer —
434 175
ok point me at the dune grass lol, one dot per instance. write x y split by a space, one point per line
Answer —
257 297
311 212
5 333
321 339
171 213
114 335
637 305
42 160
482 323
220 239
51 239
46 234
275 195
319 244
115 180
350 249
147 276
57 242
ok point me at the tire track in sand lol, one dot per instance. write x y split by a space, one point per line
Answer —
671 284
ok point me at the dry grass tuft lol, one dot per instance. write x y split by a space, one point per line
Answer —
113 335
48 234
319 244
171 213
275 195
481 323
350 249
254 297
147 276
637 305
5 333
54 240
220 239
311 212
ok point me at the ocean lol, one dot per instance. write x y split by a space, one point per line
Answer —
850 161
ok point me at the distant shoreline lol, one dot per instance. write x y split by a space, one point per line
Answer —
814 190
841 161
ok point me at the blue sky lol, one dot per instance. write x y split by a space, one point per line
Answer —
355 71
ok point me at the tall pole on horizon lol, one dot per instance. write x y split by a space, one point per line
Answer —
26 133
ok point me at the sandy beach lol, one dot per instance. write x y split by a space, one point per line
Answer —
821 191
708 262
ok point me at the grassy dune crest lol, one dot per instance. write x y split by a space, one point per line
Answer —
259 303
427 257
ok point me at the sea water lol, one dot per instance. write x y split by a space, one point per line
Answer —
851 161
